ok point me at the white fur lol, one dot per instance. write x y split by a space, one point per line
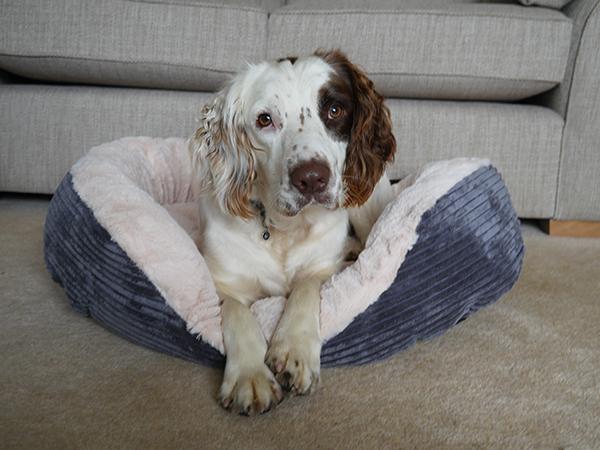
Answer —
307 237
289 94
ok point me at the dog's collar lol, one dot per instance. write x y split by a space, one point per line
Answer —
258 205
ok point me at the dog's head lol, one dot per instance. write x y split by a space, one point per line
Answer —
300 131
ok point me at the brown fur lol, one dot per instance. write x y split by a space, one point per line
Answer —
337 91
228 146
372 144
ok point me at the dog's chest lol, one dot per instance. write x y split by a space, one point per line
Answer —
239 257
287 254
281 244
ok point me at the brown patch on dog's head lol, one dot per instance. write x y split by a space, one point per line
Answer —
367 126
337 92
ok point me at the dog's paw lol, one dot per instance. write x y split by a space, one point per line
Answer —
250 391
296 362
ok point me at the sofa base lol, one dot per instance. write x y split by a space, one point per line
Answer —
571 228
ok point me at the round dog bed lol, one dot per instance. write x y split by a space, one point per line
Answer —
120 231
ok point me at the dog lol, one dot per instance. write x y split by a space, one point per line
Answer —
288 154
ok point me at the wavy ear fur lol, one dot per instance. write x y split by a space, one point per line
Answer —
372 144
223 156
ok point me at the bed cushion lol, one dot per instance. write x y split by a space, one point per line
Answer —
120 237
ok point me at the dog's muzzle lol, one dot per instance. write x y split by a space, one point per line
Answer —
311 179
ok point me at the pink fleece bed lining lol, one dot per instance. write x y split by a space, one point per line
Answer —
143 193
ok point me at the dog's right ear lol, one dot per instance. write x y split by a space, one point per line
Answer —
223 156
372 144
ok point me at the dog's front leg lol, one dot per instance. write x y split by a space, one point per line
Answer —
249 386
294 354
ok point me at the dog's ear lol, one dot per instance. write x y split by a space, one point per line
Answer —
372 144
223 156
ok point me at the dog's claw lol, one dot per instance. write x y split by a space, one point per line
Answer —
284 379
252 392
296 367
226 402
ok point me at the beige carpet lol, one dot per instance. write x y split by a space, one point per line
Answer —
523 373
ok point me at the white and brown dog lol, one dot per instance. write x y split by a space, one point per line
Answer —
289 153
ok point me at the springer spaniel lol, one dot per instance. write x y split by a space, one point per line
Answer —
289 152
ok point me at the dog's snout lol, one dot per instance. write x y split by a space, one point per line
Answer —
310 177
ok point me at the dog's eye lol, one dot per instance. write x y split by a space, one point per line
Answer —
264 120
335 111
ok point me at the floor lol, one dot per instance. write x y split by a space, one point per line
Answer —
522 373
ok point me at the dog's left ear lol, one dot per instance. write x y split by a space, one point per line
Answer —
372 144
223 155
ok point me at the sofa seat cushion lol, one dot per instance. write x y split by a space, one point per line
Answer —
441 49
47 128
177 44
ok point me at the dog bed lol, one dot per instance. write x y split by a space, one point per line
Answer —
120 238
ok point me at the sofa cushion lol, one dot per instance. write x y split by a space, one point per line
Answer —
411 48
180 44
442 49
47 128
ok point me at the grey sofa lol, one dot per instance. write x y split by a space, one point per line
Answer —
519 85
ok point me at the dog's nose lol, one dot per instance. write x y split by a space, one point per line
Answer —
310 177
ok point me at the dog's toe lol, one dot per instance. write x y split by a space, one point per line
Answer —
296 366
253 392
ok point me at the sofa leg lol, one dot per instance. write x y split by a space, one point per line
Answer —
570 228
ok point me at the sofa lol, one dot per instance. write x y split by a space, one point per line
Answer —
516 84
